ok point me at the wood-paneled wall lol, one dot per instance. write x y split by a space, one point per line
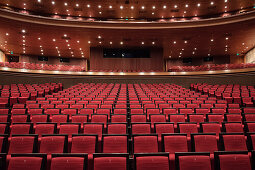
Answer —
98 62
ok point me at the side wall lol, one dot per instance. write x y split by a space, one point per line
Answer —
250 56
97 62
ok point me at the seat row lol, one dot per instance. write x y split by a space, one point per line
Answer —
154 161
123 128
172 145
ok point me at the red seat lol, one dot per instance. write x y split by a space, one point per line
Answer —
234 127
187 128
117 128
210 128
138 118
188 161
53 144
22 144
110 162
21 128
120 111
118 118
45 128
141 128
233 161
115 144
69 128
27 162
145 143
174 143
204 142
94 128
151 161
69 161
233 142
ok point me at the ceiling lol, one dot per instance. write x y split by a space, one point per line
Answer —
61 41
130 9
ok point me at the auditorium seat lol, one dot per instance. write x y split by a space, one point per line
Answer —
115 144
232 161
204 142
140 128
39 118
118 118
94 128
21 128
146 143
210 127
45 128
233 142
27 162
152 161
23 144
4 128
117 128
233 127
69 161
53 144
111 161
193 160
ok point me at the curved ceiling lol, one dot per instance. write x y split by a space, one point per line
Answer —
130 9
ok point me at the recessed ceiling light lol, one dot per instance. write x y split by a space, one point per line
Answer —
78 41
132 7
99 37
23 31
153 7
143 7
39 38
226 38
110 7
89 42
7 34
88 6
65 35
186 5
175 6
198 4
121 42
53 2
77 5
212 3
99 6
164 6
65 4
174 42
153 42
110 42
39 1
121 7
212 40
185 42
142 42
